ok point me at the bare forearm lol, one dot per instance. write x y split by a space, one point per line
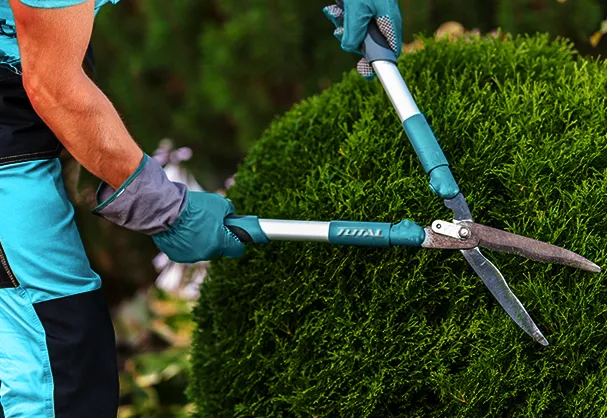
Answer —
89 127
52 44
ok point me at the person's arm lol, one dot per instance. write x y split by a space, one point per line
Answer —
188 226
52 44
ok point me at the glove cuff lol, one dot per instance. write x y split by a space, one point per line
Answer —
147 202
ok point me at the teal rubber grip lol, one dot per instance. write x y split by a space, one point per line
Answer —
431 156
407 233
376 234
246 228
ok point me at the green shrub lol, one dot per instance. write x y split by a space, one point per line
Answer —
304 329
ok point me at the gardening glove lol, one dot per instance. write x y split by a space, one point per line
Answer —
351 26
188 226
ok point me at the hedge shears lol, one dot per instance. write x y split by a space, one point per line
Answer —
462 233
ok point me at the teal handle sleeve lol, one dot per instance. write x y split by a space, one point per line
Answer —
431 156
368 234
376 234
247 229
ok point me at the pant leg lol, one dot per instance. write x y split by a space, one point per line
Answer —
57 348
82 352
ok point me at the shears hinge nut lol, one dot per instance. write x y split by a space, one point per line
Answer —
451 230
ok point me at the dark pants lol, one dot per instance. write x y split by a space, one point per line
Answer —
57 345
79 340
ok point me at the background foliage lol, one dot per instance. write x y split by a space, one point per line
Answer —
294 329
212 74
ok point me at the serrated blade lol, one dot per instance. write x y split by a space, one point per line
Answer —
498 240
497 285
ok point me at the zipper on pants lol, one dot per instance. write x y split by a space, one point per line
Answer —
8 272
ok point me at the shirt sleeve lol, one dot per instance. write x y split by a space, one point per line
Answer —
51 4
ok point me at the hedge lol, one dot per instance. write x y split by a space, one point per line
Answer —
312 330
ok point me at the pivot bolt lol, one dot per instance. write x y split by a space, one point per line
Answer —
464 233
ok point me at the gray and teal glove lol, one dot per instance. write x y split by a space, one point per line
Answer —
352 21
187 226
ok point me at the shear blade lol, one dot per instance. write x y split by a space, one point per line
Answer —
498 240
497 285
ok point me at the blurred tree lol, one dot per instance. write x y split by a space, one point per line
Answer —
576 20
212 74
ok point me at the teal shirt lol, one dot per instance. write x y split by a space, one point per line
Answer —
9 50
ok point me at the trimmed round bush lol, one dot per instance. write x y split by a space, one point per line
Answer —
313 330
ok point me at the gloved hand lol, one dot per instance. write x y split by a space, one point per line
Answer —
188 226
199 232
351 26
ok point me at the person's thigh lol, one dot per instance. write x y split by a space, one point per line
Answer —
57 346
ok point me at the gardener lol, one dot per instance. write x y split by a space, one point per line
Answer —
57 348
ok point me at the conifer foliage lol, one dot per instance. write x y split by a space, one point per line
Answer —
313 330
